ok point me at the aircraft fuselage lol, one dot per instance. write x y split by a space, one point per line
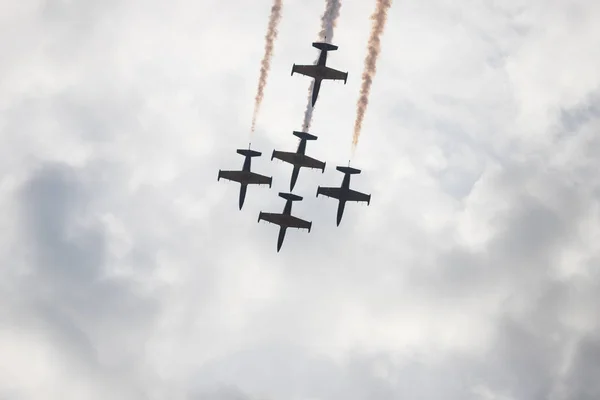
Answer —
287 210
247 164
285 220
281 237
346 183
320 73
316 88
301 148
243 189
245 176
322 58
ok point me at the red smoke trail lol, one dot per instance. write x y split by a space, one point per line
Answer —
379 18
265 64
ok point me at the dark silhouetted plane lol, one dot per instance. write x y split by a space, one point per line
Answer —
320 71
246 177
299 158
285 219
344 193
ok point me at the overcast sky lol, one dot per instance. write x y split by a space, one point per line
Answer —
128 271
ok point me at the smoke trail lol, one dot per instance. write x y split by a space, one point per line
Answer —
309 110
328 21
265 64
379 18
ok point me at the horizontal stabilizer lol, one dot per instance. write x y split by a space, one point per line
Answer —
290 196
348 170
325 46
249 153
305 136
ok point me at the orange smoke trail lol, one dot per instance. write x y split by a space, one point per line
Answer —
328 22
379 18
265 64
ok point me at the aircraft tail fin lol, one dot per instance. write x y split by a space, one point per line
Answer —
249 153
324 46
290 196
304 135
348 170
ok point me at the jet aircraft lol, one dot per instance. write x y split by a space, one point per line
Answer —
245 177
344 193
320 71
285 219
299 158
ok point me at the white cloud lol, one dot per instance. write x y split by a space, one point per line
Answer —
129 272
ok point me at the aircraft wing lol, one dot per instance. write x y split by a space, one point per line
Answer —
284 156
295 222
236 176
273 218
353 195
308 70
258 179
329 192
245 177
286 221
310 162
334 74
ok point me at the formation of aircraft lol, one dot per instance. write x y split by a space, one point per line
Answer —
320 71
299 159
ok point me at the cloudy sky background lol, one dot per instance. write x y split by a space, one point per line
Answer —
128 272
